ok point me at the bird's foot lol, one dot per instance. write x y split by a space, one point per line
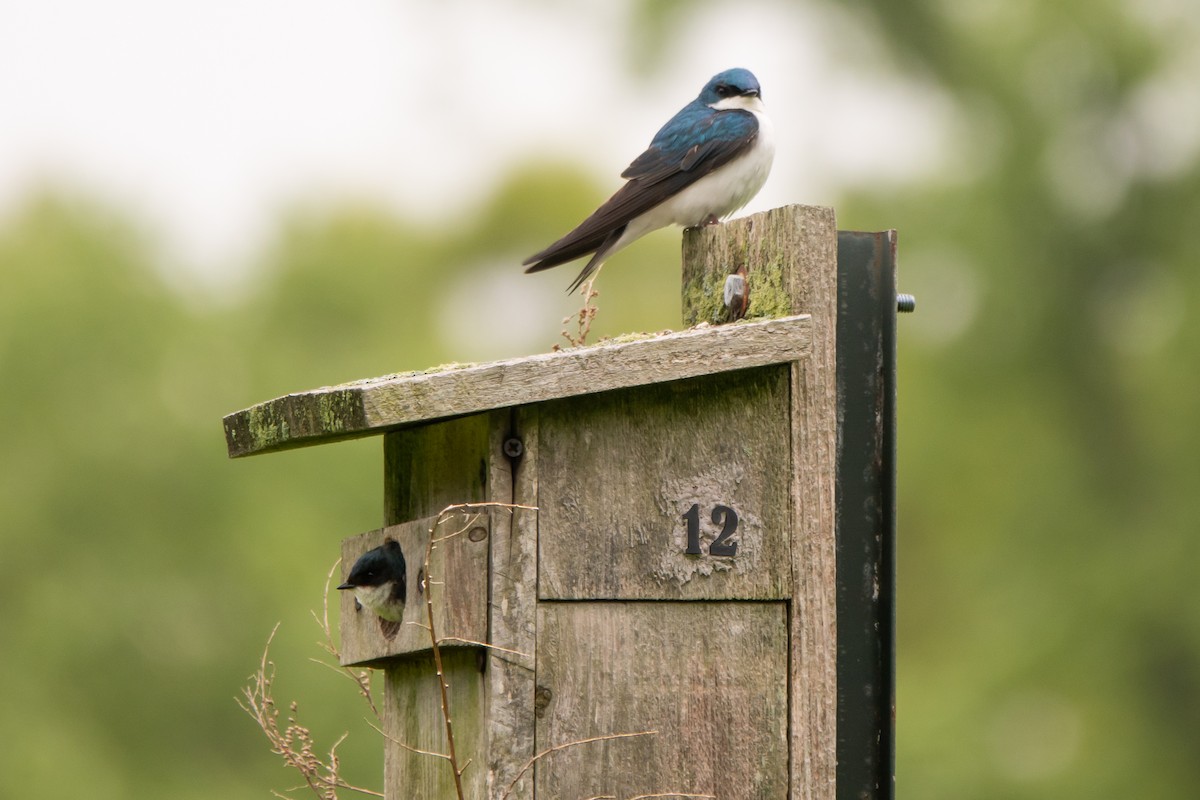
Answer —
712 219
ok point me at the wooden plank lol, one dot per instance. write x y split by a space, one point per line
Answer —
429 467
426 469
459 602
772 249
711 678
512 610
619 471
413 715
790 255
365 407
812 286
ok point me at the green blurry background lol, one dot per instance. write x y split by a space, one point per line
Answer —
1049 484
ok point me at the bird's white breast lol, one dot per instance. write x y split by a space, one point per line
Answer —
377 600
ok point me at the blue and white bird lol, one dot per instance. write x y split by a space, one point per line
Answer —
379 580
708 161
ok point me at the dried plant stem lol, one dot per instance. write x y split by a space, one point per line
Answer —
451 756
294 743
583 318
361 678
474 643
471 511
529 764
442 685
407 747
648 796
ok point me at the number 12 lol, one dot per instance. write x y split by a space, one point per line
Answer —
724 516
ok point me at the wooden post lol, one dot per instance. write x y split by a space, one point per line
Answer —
426 469
512 610
677 579
789 257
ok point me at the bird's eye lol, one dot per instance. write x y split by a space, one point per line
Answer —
722 90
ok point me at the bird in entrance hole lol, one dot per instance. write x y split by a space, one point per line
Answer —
708 161
379 580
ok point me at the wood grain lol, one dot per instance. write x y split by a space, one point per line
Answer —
711 678
413 715
607 627
618 470
427 468
790 256
512 611
365 407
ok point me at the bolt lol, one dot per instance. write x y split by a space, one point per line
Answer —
906 303
735 289
736 295
514 447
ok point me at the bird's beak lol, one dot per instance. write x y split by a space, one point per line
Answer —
750 93
346 586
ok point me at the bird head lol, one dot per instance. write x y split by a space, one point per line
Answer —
733 88
379 579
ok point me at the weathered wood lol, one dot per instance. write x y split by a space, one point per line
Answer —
413 715
512 609
365 407
460 567
429 467
618 470
620 442
791 265
771 249
425 470
711 678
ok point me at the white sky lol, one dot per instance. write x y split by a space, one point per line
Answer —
205 119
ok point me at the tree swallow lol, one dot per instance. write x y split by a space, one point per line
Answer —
380 581
708 161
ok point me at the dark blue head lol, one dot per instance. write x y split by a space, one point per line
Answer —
731 83
385 564
380 582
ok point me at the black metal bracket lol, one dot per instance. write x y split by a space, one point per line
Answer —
866 514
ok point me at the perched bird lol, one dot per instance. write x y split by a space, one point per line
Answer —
708 161
379 580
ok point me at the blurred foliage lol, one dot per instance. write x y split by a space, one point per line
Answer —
1047 457
1048 510
143 570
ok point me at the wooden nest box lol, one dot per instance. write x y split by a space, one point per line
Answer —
705 559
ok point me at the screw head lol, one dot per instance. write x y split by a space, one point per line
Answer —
514 447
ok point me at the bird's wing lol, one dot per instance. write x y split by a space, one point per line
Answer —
697 140
685 150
